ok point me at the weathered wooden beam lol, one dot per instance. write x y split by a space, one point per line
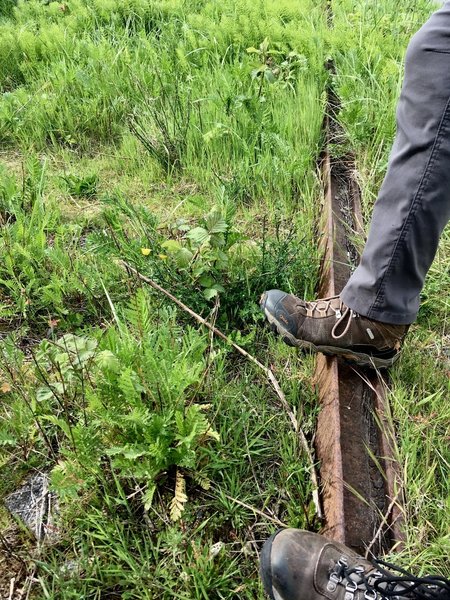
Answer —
361 489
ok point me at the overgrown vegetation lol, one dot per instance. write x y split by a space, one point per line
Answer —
183 138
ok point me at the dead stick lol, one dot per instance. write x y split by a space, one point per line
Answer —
276 386
11 588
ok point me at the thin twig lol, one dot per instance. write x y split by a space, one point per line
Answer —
271 377
31 580
11 588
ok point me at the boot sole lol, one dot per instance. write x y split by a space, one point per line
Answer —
265 565
359 358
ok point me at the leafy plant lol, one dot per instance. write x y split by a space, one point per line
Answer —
277 66
203 251
130 400
208 259
46 276
81 187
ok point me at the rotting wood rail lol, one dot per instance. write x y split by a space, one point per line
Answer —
361 487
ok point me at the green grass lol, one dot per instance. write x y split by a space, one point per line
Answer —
183 137
147 131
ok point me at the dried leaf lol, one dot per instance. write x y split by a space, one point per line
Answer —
5 387
179 500
202 481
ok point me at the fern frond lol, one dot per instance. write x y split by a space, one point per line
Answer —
148 495
179 500
201 480
138 314
129 385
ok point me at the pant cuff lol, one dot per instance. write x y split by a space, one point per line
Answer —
364 308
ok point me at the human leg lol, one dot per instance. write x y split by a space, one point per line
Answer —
368 321
413 205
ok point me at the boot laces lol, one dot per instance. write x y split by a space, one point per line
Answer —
342 313
382 584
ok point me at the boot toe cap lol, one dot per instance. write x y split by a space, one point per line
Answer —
285 564
295 564
270 299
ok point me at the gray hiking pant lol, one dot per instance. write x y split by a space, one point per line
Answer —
413 205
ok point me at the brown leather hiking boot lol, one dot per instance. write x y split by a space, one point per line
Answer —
300 565
330 327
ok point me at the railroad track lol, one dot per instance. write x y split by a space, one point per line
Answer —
355 442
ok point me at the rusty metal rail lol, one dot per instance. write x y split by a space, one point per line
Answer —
360 482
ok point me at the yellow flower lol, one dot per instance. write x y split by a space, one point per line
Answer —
162 256
145 251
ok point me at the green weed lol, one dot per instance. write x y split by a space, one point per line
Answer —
47 278
81 187
209 260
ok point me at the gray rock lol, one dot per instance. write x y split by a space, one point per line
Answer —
36 506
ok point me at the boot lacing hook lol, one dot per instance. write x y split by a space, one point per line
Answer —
341 317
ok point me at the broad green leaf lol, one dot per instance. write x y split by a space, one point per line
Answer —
108 361
264 46
258 71
133 453
183 257
171 245
198 235
206 281
47 392
210 293
268 74
63 425
215 223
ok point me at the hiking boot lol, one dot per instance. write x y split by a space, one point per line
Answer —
300 565
330 327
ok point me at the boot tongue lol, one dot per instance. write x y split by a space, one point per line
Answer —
325 307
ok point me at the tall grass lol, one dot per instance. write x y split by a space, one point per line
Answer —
182 136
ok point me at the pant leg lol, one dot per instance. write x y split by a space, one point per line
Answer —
413 205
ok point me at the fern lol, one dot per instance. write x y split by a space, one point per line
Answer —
103 399
129 386
179 499
138 314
